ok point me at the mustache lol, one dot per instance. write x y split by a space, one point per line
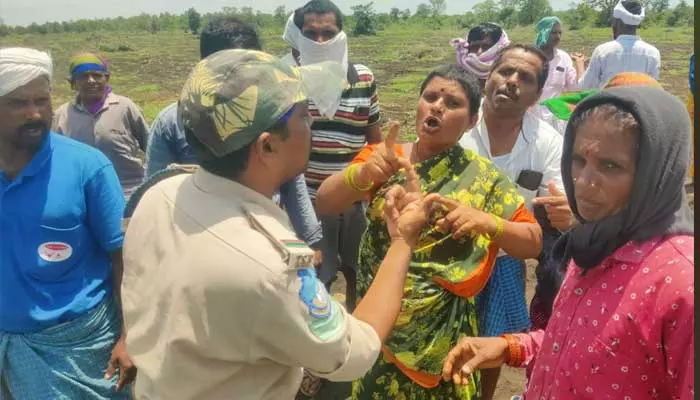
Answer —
513 93
29 126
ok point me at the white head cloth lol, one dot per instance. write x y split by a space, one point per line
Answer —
621 13
20 65
311 53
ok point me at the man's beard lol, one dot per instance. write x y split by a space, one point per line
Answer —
31 135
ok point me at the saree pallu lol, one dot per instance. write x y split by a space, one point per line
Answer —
67 361
444 275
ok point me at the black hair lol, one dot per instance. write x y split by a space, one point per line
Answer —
318 7
632 6
487 29
224 32
233 164
528 48
466 79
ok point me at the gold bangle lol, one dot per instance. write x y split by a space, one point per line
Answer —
349 179
499 228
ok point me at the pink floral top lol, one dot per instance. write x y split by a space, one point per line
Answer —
623 331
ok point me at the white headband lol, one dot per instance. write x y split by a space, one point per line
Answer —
621 13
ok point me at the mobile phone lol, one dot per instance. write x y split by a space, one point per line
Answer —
529 179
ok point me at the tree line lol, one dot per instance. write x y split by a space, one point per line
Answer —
364 20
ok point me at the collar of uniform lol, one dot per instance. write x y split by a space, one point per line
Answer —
39 160
219 186
110 100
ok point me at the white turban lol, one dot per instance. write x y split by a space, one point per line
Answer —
621 13
20 65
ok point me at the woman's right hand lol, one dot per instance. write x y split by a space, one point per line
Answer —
406 210
383 163
471 354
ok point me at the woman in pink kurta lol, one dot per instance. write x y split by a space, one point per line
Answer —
622 324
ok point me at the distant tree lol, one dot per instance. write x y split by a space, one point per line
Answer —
394 14
422 11
194 20
508 17
281 15
580 16
437 7
365 19
405 14
154 24
531 11
486 11
247 14
229 10
682 15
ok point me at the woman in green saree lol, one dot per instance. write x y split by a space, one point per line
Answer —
447 270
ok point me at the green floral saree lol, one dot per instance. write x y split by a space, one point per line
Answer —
444 276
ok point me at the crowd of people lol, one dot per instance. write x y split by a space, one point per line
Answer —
193 259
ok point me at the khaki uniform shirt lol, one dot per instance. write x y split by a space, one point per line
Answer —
221 302
118 130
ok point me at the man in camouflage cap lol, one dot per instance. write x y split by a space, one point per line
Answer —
220 298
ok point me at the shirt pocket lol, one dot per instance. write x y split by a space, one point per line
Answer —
58 250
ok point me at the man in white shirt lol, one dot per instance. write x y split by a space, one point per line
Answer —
529 151
626 53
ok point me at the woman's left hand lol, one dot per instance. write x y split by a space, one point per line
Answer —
463 220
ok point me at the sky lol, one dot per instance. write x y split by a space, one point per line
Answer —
24 12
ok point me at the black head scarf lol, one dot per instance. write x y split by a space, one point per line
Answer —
657 203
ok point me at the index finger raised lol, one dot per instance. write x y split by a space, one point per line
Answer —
392 136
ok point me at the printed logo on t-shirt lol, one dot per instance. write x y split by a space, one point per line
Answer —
55 251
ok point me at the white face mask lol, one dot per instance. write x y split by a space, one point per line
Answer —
311 52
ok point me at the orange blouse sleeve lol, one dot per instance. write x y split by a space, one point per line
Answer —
367 151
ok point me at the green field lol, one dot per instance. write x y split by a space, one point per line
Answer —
151 68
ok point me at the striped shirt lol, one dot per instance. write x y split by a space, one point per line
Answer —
627 53
335 142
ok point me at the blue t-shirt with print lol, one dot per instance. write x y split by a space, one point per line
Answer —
60 219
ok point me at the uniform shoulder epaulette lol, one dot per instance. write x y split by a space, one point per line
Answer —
295 253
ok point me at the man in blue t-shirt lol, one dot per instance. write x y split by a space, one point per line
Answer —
60 250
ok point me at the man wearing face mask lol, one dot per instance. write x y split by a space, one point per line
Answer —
341 128
112 123
529 151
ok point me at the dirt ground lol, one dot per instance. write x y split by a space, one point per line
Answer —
511 382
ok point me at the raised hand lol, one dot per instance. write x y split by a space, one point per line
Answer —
406 211
557 207
463 220
383 163
471 354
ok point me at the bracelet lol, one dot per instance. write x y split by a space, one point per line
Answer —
499 228
349 179
515 357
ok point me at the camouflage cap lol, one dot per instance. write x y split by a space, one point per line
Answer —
233 96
